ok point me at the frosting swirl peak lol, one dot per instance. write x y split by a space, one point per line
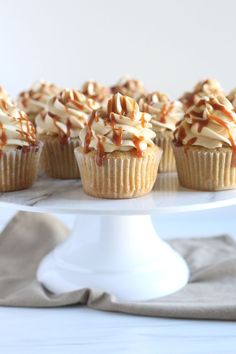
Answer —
119 127
201 89
165 114
36 98
210 123
66 114
96 91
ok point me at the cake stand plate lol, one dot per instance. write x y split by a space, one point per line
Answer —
114 246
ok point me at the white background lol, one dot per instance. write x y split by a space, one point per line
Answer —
168 44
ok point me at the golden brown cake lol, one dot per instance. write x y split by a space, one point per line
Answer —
165 114
33 101
205 145
19 149
201 89
118 158
58 126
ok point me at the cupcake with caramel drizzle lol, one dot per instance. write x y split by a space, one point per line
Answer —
118 158
58 126
36 98
19 149
202 88
205 145
165 115
128 86
94 90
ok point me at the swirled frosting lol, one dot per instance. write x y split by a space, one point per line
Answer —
36 98
210 123
96 91
203 88
66 114
15 128
129 87
165 114
232 97
119 127
5 96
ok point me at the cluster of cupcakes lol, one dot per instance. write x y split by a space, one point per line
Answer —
117 138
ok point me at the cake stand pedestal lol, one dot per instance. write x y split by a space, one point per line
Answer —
113 246
121 255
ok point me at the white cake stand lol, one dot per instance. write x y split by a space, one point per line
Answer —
113 246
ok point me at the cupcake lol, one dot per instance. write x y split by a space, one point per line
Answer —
35 99
165 114
118 158
203 88
205 145
58 126
96 91
129 87
19 149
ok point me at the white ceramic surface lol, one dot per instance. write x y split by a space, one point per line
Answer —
120 255
67 196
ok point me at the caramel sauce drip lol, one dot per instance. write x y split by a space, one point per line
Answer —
117 136
166 109
88 135
29 135
191 141
137 141
181 134
143 121
3 136
100 152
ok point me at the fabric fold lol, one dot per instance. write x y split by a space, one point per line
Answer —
210 294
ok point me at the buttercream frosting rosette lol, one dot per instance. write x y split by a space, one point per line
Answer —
118 158
128 86
165 115
96 91
19 149
34 100
205 145
201 89
58 126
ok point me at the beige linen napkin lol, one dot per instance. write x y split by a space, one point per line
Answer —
210 294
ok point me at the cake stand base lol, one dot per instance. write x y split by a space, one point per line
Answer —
120 255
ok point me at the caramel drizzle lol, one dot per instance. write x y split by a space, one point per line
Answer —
166 109
3 136
88 136
117 132
137 141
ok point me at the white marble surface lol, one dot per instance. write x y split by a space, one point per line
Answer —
81 330
67 196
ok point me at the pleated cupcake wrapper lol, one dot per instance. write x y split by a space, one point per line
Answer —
118 177
58 160
164 141
18 168
205 169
